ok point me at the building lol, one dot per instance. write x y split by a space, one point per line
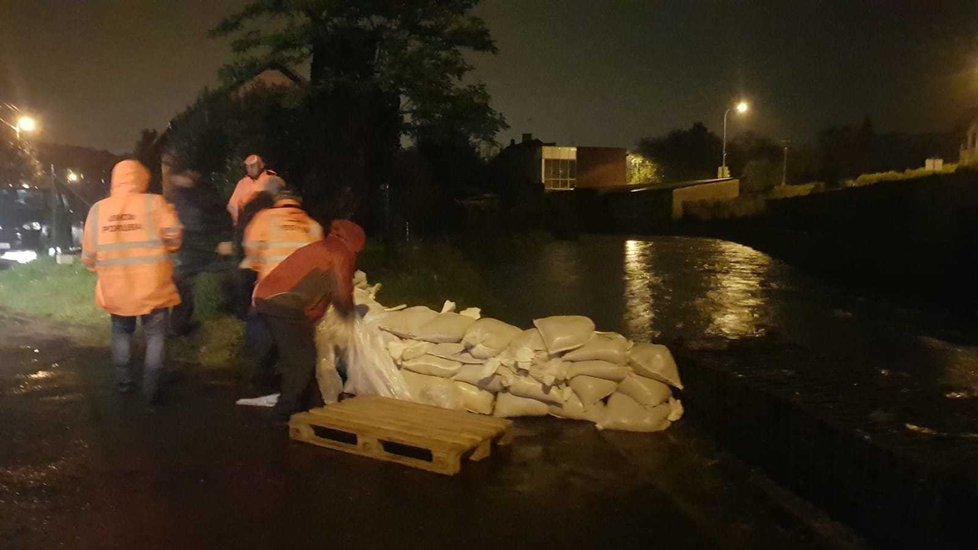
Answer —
561 168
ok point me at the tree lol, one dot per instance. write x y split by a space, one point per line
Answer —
379 70
684 154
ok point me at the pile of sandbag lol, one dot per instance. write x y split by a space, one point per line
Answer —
561 367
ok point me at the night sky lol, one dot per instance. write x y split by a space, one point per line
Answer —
585 72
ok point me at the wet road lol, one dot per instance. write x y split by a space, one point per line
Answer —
83 467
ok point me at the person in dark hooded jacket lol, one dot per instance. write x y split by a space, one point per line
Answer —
207 235
295 295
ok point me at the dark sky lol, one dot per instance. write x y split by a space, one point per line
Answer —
586 72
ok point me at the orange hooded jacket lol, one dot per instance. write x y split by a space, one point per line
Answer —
276 232
127 241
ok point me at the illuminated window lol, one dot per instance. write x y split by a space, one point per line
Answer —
559 173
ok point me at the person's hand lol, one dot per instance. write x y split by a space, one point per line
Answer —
225 248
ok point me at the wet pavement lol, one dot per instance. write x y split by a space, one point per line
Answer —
83 467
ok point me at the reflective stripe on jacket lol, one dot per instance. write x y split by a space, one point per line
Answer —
276 232
127 241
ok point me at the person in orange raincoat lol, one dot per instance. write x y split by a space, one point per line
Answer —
127 242
295 295
256 180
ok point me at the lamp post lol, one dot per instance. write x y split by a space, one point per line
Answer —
740 108
784 167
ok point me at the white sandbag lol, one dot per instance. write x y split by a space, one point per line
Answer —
509 405
414 349
574 409
487 337
406 322
433 390
359 279
476 400
506 375
564 332
598 369
676 410
528 387
396 350
591 389
646 391
529 339
603 346
432 366
466 358
477 374
448 307
445 327
472 312
548 372
655 361
493 384
446 350
624 413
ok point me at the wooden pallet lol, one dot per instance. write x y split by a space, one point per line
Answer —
416 435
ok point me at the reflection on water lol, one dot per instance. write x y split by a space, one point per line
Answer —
735 300
639 314
693 288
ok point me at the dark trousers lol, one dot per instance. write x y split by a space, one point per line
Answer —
295 338
181 318
245 287
261 350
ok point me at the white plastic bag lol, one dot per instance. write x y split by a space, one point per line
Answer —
369 368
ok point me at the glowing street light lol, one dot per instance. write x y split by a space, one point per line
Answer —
741 108
26 124
73 177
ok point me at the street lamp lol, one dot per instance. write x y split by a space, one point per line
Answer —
25 124
740 108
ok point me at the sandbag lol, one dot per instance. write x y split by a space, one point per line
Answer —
477 374
603 346
676 410
493 384
406 322
646 391
598 369
509 405
529 339
433 390
445 327
548 372
527 387
564 332
432 366
446 350
624 413
574 409
414 349
655 361
475 399
591 389
487 337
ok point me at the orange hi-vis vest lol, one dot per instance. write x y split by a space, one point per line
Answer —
127 241
246 190
276 232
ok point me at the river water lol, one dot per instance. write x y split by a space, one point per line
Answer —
902 363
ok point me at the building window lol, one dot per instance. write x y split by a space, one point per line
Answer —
559 173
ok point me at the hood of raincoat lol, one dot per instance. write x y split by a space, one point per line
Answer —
129 176
349 233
